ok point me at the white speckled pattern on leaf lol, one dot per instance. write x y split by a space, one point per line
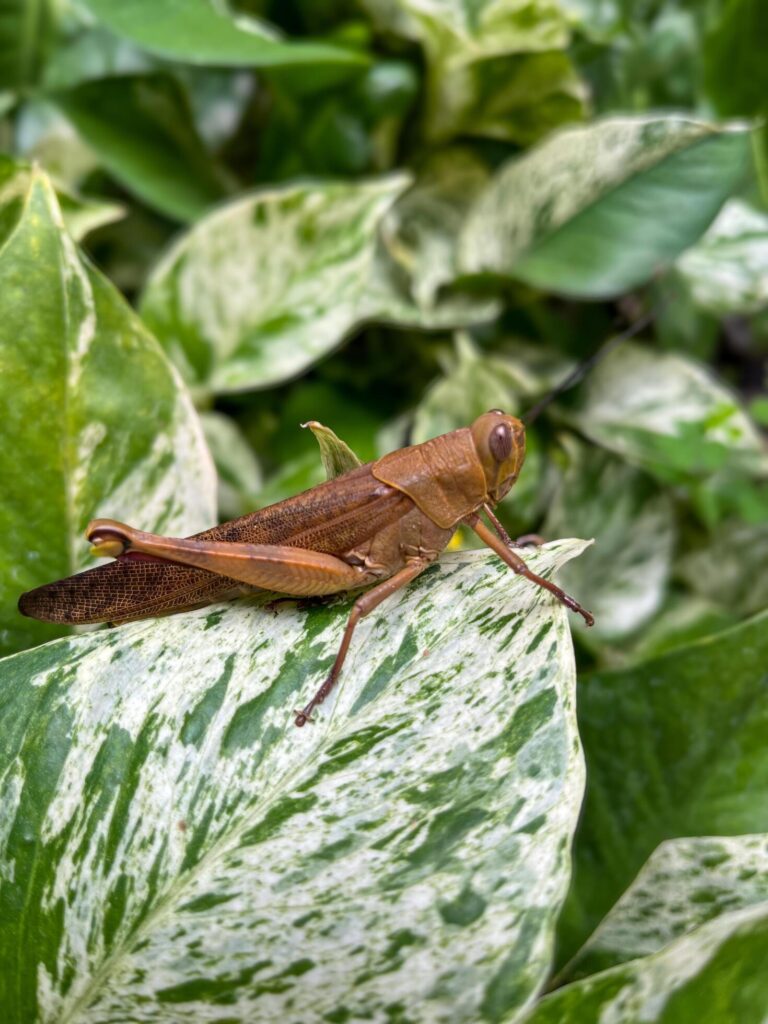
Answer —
183 852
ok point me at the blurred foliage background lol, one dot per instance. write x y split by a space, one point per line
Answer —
390 216
219 221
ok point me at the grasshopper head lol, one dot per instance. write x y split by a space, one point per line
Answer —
500 443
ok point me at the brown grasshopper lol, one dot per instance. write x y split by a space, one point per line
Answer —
382 523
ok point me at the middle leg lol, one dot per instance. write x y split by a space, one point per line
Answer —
363 606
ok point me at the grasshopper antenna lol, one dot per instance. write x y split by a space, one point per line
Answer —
583 369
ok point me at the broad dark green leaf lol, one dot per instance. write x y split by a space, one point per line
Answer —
717 973
97 423
684 884
623 578
25 32
595 211
667 412
141 128
174 848
201 32
264 287
735 72
691 727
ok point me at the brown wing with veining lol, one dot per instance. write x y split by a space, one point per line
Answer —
333 517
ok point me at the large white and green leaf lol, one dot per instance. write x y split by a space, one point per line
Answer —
203 32
667 412
595 211
99 421
727 270
259 290
623 578
172 846
684 884
692 725
716 973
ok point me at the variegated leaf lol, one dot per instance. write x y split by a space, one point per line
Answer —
731 568
475 83
727 270
623 578
684 884
173 848
595 211
668 412
717 973
80 215
262 288
95 420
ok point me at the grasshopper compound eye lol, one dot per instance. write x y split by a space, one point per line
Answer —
500 442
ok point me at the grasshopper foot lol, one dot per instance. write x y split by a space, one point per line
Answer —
302 717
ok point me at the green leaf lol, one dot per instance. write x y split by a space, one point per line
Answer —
141 128
200 32
237 468
623 578
80 215
714 974
727 270
337 457
692 726
25 31
595 211
734 71
261 289
101 425
174 846
668 413
473 84
732 568
684 884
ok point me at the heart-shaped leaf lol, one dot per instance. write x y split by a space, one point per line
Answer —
595 211
267 285
101 424
173 846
